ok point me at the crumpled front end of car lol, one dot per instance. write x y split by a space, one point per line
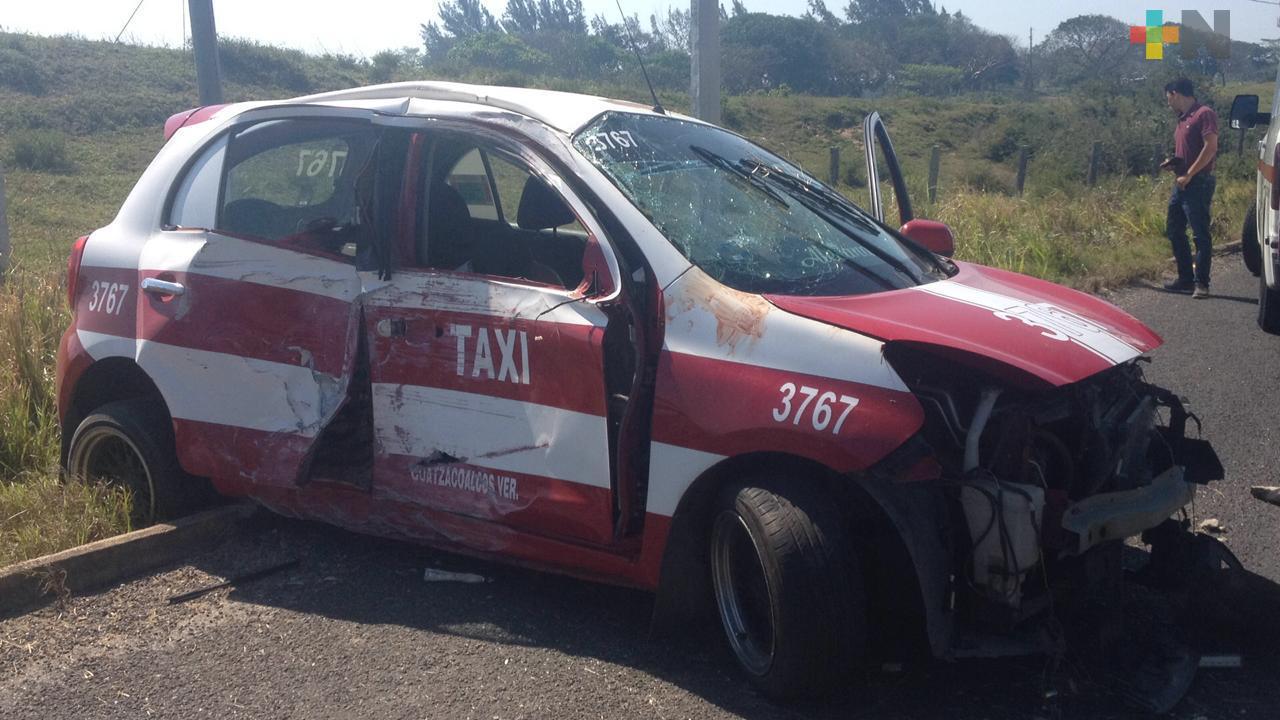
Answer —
1044 485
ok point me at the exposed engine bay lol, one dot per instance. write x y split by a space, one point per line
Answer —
1043 487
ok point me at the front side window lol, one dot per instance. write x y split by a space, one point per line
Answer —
488 213
305 183
745 216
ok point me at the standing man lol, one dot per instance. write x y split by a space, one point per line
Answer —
1195 141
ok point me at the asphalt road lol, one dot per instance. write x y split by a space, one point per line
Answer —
355 632
1228 371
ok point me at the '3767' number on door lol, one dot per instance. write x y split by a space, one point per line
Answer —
107 297
823 410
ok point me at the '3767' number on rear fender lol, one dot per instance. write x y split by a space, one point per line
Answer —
823 410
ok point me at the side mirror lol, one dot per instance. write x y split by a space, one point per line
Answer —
1245 115
933 235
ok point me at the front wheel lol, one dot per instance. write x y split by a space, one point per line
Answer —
787 587
129 445
1268 307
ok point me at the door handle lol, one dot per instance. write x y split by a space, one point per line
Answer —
156 286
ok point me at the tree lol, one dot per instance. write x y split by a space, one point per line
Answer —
764 52
1088 47
458 19
530 16
498 51
738 9
818 12
672 31
879 11
466 17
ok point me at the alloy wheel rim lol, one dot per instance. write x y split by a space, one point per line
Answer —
110 458
742 593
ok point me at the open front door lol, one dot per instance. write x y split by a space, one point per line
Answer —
489 349
875 135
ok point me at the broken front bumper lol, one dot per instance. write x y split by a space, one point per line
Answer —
1119 515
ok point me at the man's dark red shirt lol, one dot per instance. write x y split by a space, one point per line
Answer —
1189 134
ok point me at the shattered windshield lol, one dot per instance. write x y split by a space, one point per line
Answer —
747 217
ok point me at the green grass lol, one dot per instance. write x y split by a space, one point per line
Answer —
39 513
108 102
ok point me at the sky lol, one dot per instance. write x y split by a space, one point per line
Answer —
365 27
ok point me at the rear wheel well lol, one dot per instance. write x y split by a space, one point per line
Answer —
893 592
109 380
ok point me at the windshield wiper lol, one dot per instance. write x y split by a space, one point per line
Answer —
850 262
733 168
809 194
835 201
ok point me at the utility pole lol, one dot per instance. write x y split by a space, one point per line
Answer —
704 35
204 42
1031 51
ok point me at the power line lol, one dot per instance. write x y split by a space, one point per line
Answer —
131 16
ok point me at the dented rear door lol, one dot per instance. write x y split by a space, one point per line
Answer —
248 318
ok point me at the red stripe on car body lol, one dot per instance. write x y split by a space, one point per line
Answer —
693 410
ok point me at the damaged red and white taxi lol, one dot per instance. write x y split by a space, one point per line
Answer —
614 342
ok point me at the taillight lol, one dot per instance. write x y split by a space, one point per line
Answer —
73 269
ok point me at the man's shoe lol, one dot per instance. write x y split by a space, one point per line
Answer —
1201 292
1180 286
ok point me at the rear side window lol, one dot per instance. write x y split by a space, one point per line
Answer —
470 179
299 175
304 183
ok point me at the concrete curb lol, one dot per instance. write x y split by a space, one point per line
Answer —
35 582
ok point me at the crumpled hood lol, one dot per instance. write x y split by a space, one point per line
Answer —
1053 333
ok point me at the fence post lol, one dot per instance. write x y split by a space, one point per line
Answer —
1093 164
833 172
935 160
4 227
1024 154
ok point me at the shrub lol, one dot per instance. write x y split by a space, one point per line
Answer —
984 179
385 65
19 72
931 79
250 63
40 150
498 51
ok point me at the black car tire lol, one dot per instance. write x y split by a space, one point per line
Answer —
1249 248
129 444
787 586
1268 307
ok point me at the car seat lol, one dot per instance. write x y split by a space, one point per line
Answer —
450 238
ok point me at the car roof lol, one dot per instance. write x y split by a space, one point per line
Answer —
563 111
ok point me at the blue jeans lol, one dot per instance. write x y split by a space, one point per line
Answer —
1191 205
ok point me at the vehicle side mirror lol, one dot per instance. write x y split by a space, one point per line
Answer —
933 235
1244 113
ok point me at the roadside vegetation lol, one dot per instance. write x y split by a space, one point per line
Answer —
80 120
